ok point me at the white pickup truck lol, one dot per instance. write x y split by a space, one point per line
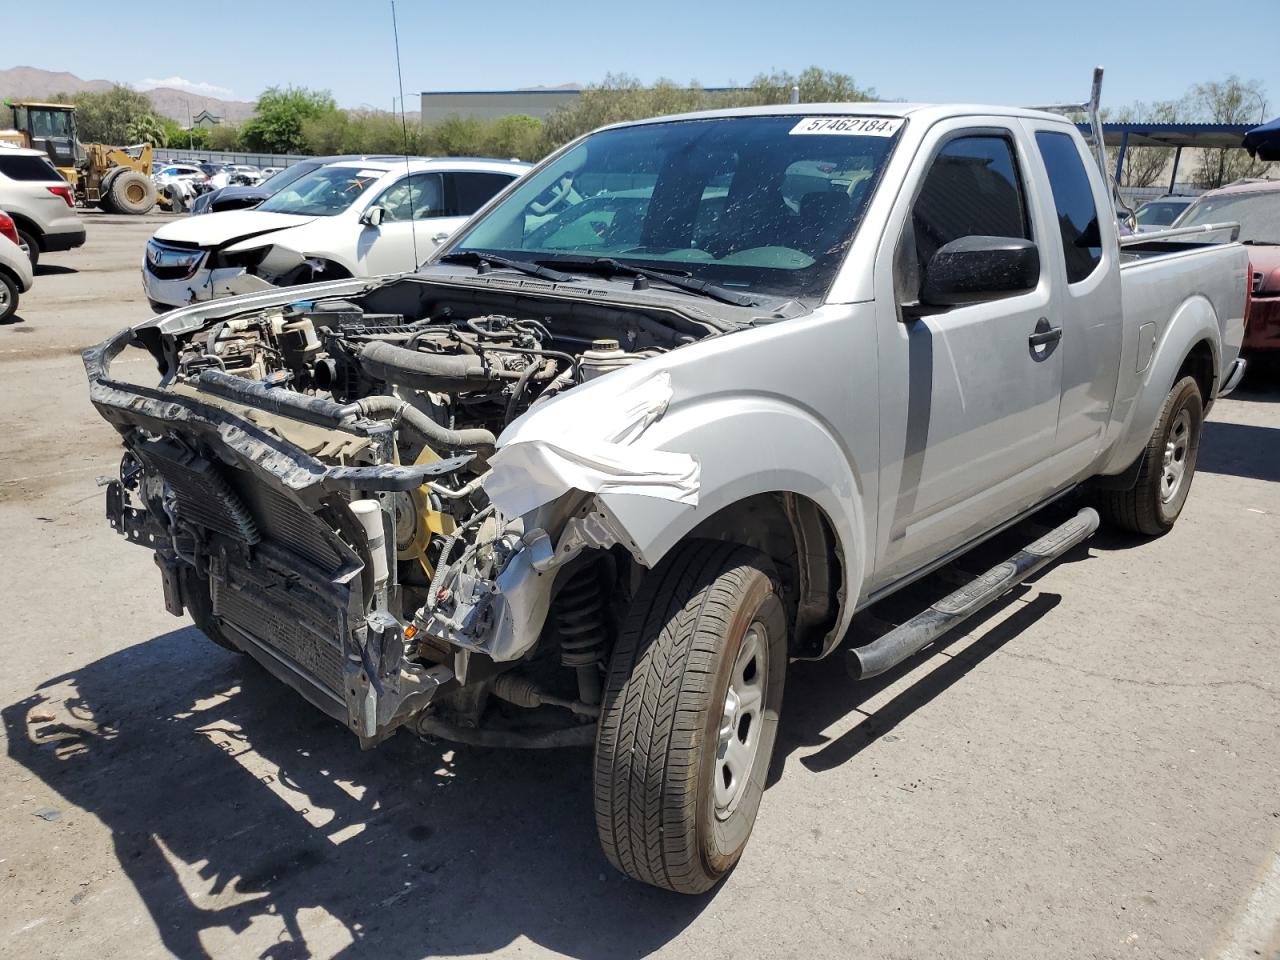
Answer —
657 422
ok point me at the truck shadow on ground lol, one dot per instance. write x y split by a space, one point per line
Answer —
820 694
1240 450
231 803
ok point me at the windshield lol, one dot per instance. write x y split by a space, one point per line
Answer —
1258 214
282 178
765 204
322 193
50 123
1159 213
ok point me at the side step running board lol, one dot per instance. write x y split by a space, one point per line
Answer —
921 630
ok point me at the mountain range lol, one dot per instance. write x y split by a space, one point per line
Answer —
32 83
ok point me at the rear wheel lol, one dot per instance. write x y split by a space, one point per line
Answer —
8 297
131 192
30 246
1152 505
690 716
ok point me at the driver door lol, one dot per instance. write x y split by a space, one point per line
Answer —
968 432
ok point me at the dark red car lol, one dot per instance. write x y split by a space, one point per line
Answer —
1255 205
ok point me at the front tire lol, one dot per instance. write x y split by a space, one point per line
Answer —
690 716
1153 504
132 192
195 591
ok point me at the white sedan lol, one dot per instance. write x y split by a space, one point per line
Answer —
353 218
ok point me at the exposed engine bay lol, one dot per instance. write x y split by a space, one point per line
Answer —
311 475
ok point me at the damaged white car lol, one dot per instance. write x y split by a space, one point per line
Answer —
657 422
359 217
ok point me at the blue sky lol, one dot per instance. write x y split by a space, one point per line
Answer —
1002 52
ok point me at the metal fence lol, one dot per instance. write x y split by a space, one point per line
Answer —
173 155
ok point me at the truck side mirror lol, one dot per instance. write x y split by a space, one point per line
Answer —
976 268
373 216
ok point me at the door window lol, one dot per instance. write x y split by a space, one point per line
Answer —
473 190
972 189
413 198
1073 198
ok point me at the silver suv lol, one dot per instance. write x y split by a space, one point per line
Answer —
41 203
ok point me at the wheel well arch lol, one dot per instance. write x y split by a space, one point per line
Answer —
331 268
796 533
26 225
1200 364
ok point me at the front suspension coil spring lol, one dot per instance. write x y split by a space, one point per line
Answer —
579 619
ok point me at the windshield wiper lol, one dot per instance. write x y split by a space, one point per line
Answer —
676 278
486 260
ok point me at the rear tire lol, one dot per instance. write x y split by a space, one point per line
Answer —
32 246
132 192
8 297
1152 505
690 716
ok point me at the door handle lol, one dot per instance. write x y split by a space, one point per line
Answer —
440 238
1044 339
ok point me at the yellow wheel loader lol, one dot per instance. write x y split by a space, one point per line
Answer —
117 179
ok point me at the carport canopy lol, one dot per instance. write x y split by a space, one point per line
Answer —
1174 136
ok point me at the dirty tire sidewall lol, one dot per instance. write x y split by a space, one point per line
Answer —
1185 396
32 245
132 192
195 591
664 700
1141 509
722 841
8 297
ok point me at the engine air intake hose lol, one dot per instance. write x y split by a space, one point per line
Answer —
426 371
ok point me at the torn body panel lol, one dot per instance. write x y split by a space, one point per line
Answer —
323 486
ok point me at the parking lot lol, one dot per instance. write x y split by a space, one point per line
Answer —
1092 770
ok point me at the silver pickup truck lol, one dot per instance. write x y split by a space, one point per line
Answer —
656 422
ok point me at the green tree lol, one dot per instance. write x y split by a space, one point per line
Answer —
280 115
1143 166
222 137
816 86
1227 101
197 138
107 117
175 135
514 136
147 128
620 97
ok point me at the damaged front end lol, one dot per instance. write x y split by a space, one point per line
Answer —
323 488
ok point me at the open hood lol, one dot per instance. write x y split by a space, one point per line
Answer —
220 229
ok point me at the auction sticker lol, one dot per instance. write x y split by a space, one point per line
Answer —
849 126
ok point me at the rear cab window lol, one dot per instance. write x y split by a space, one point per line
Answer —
27 168
1073 201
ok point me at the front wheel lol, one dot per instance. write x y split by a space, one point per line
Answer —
1152 505
690 716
